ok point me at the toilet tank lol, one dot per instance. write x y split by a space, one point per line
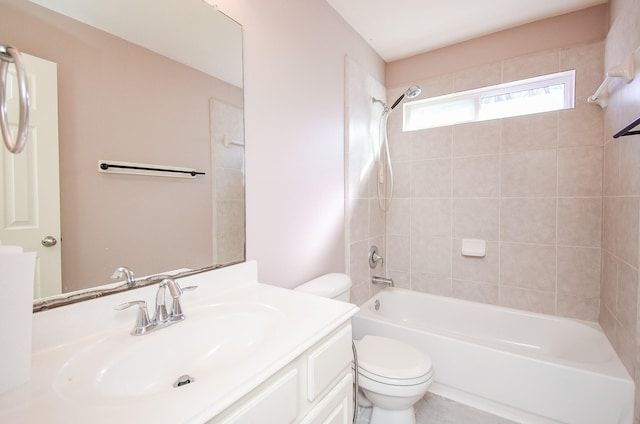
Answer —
335 286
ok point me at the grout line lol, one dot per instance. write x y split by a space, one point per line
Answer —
557 208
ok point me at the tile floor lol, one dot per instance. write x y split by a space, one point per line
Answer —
433 409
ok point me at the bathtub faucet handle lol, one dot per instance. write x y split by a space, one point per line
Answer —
374 257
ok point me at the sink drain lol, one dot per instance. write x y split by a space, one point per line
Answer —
183 380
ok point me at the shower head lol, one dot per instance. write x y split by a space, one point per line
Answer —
411 92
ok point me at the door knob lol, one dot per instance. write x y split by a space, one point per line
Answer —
49 241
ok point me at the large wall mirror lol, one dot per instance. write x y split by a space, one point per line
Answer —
144 82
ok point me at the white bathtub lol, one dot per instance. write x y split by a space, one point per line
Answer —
527 367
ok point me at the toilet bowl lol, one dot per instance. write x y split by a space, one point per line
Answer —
392 375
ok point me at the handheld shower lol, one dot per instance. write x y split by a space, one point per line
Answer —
411 92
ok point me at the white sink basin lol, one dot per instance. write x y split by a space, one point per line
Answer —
211 339
87 368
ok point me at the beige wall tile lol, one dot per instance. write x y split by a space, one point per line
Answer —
476 218
611 177
627 230
359 294
531 66
399 217
626 348
627 302
230 214
629 166
433 284
398 253
610 212
400 143
529 174
528 220
377 223
588 61
530 132
358 261
431 87
431 255
477 138
431 178
579 221
476 176
529 300
431 143
609 283
476 292
431 218
577 307
359 220
402 181
477 77
608 323
479 269
580 171
581 126
579 271
528 266
401 279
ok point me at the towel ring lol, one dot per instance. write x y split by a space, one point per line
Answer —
10 54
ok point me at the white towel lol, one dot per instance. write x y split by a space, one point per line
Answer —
17 271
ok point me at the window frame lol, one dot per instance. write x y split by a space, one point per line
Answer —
410 109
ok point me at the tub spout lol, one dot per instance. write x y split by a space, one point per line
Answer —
381 280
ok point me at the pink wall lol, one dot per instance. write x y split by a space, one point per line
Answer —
112 107
294 115
562 31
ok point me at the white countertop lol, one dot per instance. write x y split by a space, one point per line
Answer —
59 334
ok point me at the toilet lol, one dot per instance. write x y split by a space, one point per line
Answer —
392 375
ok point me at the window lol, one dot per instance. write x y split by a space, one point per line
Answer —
534 95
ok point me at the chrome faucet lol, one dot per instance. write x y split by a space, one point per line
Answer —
128 274
161 317
383 281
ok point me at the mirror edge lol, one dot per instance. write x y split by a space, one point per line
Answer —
45 304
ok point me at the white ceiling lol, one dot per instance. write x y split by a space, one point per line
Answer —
402 28
172 28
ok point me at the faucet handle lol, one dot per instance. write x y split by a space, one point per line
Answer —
176 307
127 273
142 320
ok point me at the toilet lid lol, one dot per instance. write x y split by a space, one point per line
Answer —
392 359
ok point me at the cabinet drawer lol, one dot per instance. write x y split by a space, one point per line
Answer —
335 408
325 363
276 404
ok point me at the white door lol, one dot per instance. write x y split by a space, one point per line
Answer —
30 208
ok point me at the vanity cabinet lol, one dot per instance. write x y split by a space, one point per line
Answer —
314 388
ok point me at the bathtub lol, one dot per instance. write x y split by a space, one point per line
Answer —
527 367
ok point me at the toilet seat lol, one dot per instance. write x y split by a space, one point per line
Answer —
392 362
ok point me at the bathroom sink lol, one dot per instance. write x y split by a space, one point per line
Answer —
212 340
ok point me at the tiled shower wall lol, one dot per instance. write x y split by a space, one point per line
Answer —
229 219
530 186
366 222
621 196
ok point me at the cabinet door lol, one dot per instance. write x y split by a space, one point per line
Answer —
276 404
336 407
326 362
